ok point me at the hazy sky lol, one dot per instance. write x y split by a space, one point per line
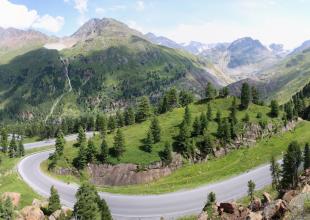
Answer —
208 21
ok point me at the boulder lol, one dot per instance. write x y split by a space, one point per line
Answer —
266 198
40 203
229 207
289 195
203 216
275 209
255 205
306 189
31 213
55 215
14 196
254 216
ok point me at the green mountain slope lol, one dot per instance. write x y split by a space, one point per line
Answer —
108 67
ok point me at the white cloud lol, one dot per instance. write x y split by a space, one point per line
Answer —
100 10
19 16
81 5
49 23
117 7
140 5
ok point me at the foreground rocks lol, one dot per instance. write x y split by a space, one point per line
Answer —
13 196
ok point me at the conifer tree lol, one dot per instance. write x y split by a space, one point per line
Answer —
245 96
210 202
105 211
104 151
87 203
206 146
233 112
184 134
187 116
196 127
274 112
81 160
164 105
166 154
209 112
155 130
275 173
218 118
119 144
91 151
101 124
4 140
148 142
81 136
129 116
255 95
111 123
172 98
21 148
12 147
144 109
60 143
185 98
119 119
291 162
224 92
53 201
210 91
203 122
306 156
251 189
224 131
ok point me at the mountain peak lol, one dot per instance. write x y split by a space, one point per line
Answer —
97 27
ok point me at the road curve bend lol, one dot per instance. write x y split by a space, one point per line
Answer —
142 207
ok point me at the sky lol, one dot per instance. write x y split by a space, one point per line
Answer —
208 21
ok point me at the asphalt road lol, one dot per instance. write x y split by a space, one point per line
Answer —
169 206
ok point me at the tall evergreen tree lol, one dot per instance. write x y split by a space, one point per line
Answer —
166 154
163 106
224 131
218 117
111 123
87 203
307 156
255 95
187 116
104 210
251 189
119 119
172 98
224 92
184 134
4 140
101 124
291 162
91 151
81 160
155 130
148 142
53 201
233 112
185 98
206 146
129 116
245 96
60 143
20 148
119 144
203 122
275 173
104 151
210 91
144 109
274 112
196 127
81 136
13 147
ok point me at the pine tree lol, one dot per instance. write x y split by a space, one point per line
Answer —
209 112
210 202
105 211
196 127
60 143
148 142
274 112
12 147
164 105
155 130
119 119
144 109
255 95
218 117
306 156
185 98
203 122
224 131
275 173
210 91
119 144
187 116
184 134
233 112
104 151
87 206
53 201
101 124
81 160
21 148
251 189
111 123
206 146
172 98
291 162
245 96
81 136
166 154
224 92
91 151
129 116
4 140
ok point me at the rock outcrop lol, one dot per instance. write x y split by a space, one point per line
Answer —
13 196
31 213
